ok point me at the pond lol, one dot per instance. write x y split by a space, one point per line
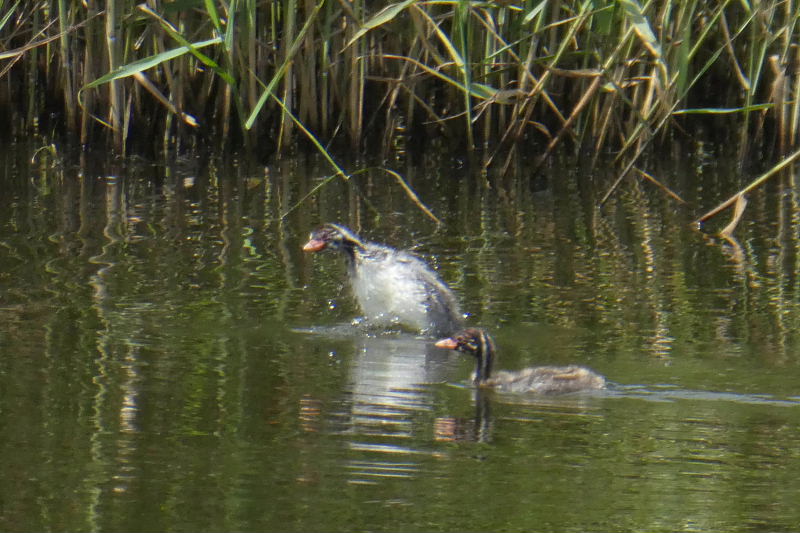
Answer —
171 360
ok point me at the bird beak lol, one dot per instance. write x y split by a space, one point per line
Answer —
448 343
314 245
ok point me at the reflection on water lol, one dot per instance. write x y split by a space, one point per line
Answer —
388 381
477 428
389 386
167 360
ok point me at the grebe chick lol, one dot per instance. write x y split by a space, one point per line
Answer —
391 286
541 380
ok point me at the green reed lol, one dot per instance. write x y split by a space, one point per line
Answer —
490 77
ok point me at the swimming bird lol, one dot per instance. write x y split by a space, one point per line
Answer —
392 287
542 379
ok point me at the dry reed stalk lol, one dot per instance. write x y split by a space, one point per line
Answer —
67 82
116 95
735 199
794 124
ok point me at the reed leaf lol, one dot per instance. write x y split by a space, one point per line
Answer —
213 16
384 16
635 14
148 62
10 13
722 111
276 78
478 90
191 48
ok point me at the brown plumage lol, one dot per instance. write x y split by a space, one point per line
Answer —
541 379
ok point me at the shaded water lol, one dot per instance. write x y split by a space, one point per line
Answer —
170 360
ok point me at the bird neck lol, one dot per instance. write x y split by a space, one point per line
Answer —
484 358
349 249
355 252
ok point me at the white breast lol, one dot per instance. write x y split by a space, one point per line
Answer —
390 291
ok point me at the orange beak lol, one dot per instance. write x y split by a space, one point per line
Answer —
448 343
314 245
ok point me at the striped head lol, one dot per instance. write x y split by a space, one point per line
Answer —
334 237
477 343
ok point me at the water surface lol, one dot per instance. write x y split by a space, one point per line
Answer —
171 360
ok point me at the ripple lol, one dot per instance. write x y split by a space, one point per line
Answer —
666 393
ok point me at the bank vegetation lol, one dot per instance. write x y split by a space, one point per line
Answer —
490 79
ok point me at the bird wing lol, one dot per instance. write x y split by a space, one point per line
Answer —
438 296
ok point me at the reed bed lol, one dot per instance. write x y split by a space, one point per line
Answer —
492 79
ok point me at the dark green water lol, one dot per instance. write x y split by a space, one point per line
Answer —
171 361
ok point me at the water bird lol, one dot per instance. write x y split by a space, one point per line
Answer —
541 380
392 287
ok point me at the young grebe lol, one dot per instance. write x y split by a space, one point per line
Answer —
542 379
391 286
